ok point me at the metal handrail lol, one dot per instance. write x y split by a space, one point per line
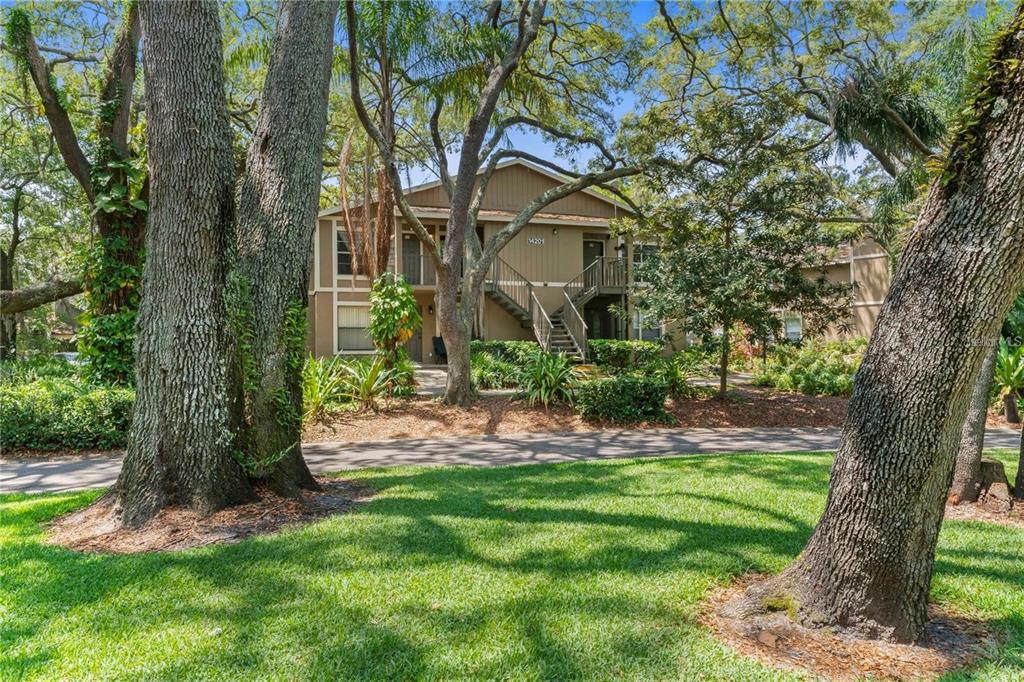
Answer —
542 326
574 324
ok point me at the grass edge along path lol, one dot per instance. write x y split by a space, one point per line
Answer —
590 570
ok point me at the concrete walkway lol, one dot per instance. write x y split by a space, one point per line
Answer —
528 448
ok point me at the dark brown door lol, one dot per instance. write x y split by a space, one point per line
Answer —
592 250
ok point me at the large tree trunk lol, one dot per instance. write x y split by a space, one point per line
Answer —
181 447
277 205
1018 482
966 474
455 332
868 564
723 361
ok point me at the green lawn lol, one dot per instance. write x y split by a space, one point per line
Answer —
589 570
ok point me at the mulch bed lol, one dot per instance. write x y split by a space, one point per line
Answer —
425 417
774 640
977 512
751 406
97 528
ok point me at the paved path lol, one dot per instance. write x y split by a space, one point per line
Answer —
528 448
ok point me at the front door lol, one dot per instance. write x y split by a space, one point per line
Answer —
414 346
593 249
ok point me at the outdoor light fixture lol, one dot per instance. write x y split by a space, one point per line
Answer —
430 310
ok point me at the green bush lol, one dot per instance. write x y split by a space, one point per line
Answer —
403 379
1009 369
623 399
548 378
814 367
58 413
323 387
42 367
490 371
516 352
394 315
622 355
673 372
366 382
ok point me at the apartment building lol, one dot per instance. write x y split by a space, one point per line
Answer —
560 280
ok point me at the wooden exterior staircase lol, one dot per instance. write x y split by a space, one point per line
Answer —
563 331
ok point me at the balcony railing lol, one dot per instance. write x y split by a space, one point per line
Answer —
604 272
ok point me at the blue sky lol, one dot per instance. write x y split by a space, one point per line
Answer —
641 11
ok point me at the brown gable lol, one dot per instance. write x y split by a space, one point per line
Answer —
513 186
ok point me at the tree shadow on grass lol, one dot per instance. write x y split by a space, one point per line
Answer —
402 585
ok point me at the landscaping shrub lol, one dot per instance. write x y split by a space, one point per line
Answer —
323 387
394 315
41 367
548 378
621 355
673 372
1009 377
814 367
403 380
58 413
365 383
490 371
624 399
516 352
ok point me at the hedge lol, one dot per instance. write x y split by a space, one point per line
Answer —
489 370
59 413
623 399
516 352
622 355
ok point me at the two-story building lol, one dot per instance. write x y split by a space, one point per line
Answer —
560 280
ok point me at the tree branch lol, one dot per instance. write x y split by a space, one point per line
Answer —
375 134
57 116
119 81
19 300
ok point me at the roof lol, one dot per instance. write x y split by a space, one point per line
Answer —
506 164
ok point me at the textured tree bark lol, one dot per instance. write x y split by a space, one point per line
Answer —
966 472
1018 481
181 446
723 361
19 300
277 205
455 332
868 564
8 323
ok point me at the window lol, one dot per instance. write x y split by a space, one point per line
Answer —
794 329
352 323
344 254
646 328
644 256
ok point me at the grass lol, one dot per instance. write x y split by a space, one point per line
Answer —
586 570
